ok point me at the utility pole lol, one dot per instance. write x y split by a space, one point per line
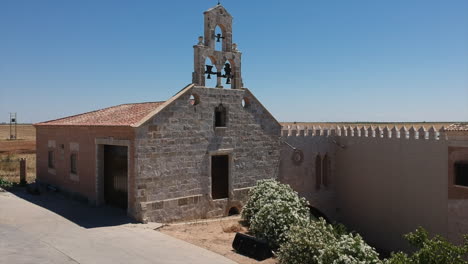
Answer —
13 122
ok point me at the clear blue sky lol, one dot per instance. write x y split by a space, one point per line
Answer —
306 60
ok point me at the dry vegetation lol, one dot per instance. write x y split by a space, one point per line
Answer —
9 167
11 151
214 235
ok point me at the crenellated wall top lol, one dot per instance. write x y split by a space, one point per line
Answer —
411 133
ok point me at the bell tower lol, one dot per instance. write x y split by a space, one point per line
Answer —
227 61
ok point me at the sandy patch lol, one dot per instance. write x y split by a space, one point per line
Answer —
214 235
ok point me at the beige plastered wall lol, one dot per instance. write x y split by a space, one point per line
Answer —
382 186
387 187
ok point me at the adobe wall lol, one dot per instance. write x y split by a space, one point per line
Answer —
81 140
301 176
388 186
382 185
173 153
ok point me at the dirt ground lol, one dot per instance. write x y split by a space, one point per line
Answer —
17 147
215 235
12 150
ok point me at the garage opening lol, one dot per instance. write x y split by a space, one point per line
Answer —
115 176
220 176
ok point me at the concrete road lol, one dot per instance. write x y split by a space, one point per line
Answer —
52 229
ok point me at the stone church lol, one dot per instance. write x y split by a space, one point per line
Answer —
193 156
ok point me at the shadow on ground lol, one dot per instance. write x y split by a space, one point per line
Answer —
80 213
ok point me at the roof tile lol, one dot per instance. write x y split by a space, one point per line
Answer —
120 115
457 127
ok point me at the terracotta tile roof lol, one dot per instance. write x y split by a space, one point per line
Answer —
458 127
120 115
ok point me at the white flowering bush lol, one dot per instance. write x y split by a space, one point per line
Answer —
268 191
272 209
278 215
273 221
318 243
304 243
349 249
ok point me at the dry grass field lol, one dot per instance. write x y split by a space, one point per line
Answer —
24 132
9 167
12 150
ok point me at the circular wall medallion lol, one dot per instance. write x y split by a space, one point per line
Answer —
297 157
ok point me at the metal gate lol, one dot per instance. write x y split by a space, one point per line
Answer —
115 175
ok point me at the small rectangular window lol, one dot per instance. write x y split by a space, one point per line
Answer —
51 159
73 163
461 173
220 116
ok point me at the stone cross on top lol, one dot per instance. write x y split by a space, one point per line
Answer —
227 61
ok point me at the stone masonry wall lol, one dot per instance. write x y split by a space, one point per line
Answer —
173 151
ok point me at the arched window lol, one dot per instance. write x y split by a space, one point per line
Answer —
325 170
210 79
318 172
220 116
228 74
194 99
219 38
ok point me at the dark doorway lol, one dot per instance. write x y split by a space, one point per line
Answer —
220 176
115 175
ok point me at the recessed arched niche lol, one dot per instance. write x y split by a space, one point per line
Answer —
245 102
220 116
218 38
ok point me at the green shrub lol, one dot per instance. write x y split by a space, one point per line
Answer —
436 250
5 183
267 191
303 243
399 258
318 242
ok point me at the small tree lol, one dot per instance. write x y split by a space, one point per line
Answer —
431 251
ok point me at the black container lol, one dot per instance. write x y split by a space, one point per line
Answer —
251 247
